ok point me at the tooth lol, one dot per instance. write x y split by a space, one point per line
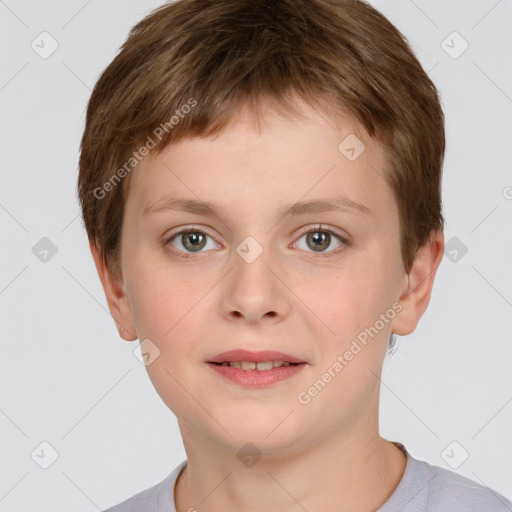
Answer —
267 365
260 366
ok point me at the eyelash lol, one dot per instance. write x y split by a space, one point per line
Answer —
312 229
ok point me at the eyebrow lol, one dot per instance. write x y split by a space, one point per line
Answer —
342 204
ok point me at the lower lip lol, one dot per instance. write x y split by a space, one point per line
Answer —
257 378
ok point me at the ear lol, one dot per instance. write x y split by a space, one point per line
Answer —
417 289
116 299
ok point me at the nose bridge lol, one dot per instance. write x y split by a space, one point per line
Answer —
254 290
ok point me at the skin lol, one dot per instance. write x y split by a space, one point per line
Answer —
324 455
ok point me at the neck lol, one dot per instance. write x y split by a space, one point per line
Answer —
356 472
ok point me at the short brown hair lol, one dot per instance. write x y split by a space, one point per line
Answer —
215 55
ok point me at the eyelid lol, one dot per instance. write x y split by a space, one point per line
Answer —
168 237
344 239
189 228
324 227
306 229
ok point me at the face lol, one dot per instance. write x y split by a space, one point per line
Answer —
249 276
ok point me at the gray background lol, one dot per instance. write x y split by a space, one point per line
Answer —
70 381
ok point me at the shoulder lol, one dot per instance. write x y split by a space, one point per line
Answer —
425 487
158 498
446 491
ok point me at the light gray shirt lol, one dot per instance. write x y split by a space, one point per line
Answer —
423 488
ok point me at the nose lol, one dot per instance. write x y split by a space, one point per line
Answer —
254 291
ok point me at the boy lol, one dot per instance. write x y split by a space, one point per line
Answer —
260 184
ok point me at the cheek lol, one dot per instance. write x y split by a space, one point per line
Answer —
350 306
157 299
351 300
169 310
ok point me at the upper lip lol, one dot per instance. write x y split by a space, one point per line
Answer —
255 357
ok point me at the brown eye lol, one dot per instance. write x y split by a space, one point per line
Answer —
190 241
193 240
318 240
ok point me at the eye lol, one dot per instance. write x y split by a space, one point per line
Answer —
189 240
318 239
193 240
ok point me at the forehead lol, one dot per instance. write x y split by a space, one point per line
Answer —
280 161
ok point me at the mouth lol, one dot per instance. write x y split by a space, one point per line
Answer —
246 359
256 369
251 365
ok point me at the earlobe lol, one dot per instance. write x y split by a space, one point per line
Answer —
420 281
117 301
